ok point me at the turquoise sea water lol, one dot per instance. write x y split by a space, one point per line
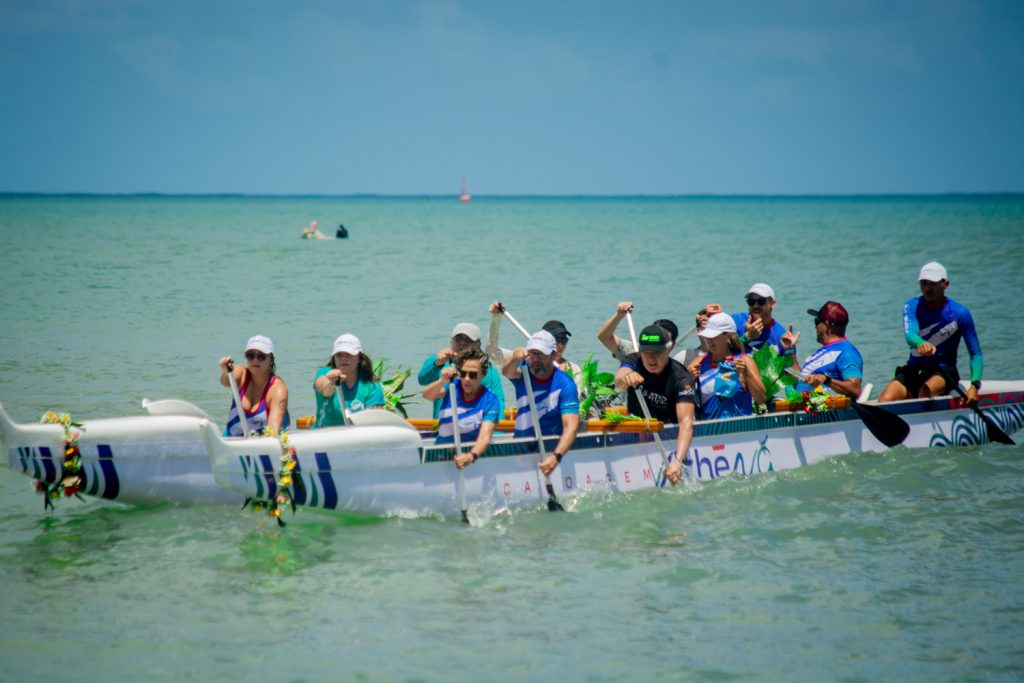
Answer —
902 565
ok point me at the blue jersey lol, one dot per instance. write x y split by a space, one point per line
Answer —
471 414
429 373
555 397
772 335
942 328
839 360
721 393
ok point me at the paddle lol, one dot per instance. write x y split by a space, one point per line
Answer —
460 484
515 323
553 504
995 433
887 427
643 401
339 392
237 399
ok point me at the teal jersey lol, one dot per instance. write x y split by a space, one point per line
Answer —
363 395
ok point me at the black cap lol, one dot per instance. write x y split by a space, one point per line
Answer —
557 330
654 338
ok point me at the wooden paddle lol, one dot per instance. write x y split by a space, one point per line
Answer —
889 428
237 399
995 433
553 504
643 402
461 483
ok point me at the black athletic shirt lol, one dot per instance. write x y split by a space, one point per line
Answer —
674 385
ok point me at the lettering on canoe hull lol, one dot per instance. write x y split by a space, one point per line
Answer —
714 466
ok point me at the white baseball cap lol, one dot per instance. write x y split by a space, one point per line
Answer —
469 329
260 343
719 323
761 289
542 341
932 272
347 343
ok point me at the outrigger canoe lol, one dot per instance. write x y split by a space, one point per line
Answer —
381 465
387 468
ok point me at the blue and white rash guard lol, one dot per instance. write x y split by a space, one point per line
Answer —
839 359
472 414
555 397
943 328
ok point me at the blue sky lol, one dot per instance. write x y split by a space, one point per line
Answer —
595 97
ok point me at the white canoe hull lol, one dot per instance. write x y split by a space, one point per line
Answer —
356 470
381 467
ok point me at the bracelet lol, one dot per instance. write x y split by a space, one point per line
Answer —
788 352
475 455
743 338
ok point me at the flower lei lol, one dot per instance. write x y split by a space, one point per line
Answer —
70 479
815 401
284 497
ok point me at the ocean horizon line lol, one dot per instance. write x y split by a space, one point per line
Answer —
455 196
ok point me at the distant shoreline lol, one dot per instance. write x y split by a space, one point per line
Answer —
483 197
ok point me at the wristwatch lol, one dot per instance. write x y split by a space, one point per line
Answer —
558 456
976 384
828 381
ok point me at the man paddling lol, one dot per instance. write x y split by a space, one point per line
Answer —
837 364
558 406
464 336
933 326
757 327
667 386
620 348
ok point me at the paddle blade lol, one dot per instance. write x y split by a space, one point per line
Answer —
995 433
887 427
465 516
553 504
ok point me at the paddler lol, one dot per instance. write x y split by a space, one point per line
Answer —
558 405
477 408
262 394
730 381
668 388
933 326
837 364
620 348
757 327
352 370
464 336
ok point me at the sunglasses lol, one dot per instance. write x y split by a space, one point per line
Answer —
562 340
468 374
255 355
754 301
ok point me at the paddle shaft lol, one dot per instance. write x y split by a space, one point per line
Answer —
643 401
515 323
237 398
995 433
553 503
457 436
340 393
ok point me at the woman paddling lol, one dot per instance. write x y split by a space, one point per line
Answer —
262 394
477 406
729 378
354 370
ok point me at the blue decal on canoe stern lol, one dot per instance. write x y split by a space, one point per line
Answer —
112 485
323 464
